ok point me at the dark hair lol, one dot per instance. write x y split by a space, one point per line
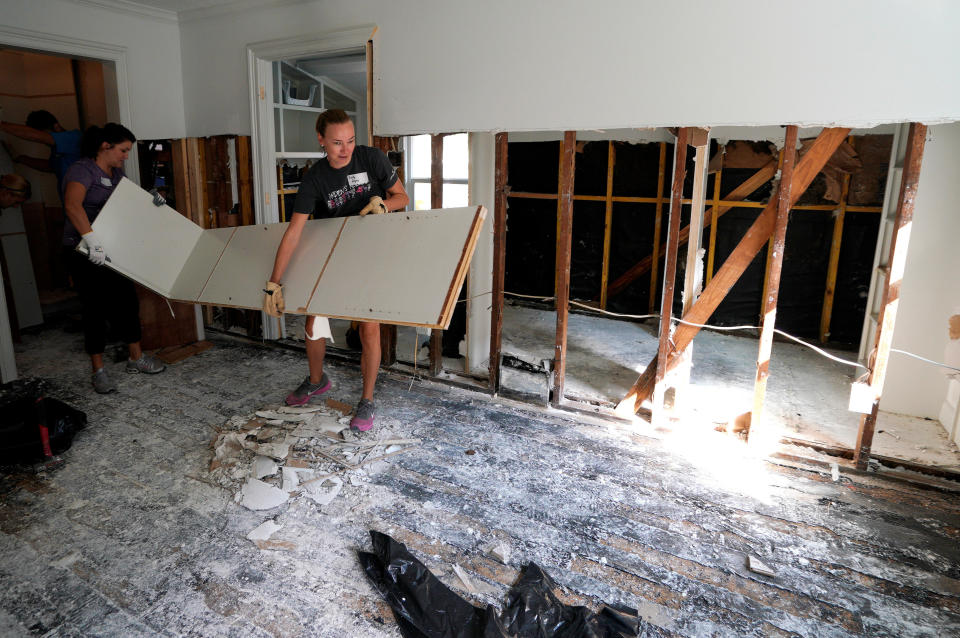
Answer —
41 120
331 116
111 133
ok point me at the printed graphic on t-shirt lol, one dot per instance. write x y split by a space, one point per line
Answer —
343 195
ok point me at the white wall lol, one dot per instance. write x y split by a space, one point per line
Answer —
154 73
930 293
566 64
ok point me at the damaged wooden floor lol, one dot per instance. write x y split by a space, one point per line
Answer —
130 538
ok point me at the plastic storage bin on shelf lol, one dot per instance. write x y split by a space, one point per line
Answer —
288 99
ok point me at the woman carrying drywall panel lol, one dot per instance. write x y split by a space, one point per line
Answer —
350 180
87 185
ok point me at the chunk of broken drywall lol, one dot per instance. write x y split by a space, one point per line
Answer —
323 492
758 566
263 531
263 466
257 495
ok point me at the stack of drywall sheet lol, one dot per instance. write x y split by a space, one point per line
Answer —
402 268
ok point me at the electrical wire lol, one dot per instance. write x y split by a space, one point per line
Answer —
916 356
780 332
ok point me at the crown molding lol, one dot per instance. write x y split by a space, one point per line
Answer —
234 6
132 8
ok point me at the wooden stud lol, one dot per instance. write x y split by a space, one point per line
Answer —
757 180
436 201
756 236
691 287
899 243
697 136
564 244
826 313
607 224
714 215
670 263
244 180
655 254
772 282
499 258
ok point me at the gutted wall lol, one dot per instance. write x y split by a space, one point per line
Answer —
565 64
930 292
154 79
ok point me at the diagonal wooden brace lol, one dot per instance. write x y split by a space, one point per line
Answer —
755 181
755 238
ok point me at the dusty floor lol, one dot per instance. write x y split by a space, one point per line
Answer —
807 394
131 537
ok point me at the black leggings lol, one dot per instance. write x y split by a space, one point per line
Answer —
104 295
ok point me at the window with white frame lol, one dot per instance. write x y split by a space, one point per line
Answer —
456 166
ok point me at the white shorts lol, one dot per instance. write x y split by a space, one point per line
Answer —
321 329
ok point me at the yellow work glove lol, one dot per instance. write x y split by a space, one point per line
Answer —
273 299
375 206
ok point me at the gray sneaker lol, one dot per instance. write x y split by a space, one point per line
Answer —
147 364
363 419
102 383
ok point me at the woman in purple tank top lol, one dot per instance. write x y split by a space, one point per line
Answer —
104 294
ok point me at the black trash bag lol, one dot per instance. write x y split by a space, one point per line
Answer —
21 429
426 608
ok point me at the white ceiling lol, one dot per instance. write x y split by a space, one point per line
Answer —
185 5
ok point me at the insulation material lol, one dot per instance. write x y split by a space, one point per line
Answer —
844 162
405 268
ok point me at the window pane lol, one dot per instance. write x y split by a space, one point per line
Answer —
421 195
456 162
455 196
419 157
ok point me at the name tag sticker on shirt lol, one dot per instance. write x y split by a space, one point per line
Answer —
106 182
357 179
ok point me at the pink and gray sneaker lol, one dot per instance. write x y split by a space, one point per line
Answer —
363 418
306 391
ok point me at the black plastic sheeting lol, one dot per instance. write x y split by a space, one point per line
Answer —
21 435
426 608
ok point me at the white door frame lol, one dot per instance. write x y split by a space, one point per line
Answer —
76 48
41 42
260 56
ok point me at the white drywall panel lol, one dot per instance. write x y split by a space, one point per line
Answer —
242 271
394 268
151 40
306 264
570 65
147 243
480 277
199 265
16 252
929 293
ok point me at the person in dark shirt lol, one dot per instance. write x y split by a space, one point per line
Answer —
104 294
351 180
43 127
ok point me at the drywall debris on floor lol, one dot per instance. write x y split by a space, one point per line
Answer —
279 454
264 531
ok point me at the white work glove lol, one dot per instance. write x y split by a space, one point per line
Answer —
375 206
273 299
92 248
